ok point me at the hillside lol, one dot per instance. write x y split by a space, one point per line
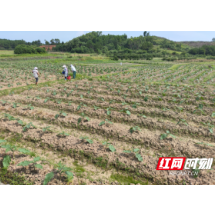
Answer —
96 42
145 46
197 44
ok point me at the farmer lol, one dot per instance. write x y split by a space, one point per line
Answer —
65 72
36 74
74 71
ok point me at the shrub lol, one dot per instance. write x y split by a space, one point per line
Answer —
24 49
114 58
40 50
211 57
149 57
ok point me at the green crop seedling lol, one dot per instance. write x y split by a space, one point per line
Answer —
84 118
61 113
165 135
28 126
134 129
126 111
9 148
87 139
30 107
46 100
137 155
110 146
104 122
182 121
205 144
59 168
63 134
33 163
47 129
9 117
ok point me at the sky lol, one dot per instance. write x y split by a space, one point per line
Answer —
65 36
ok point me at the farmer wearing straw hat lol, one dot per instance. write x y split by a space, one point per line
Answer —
74 71
36 74
65 72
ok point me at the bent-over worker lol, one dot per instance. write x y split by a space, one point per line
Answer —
65 72
36 74
74 71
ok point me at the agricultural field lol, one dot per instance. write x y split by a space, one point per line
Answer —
108 126
6 52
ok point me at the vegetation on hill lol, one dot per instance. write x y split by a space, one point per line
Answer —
117 47
204 50
96 42
197 44
120 46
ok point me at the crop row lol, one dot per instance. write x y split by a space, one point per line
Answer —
180 127
121 160
112 130
133 105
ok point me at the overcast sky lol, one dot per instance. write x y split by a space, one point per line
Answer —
65 36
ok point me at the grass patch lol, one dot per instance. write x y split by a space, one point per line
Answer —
18 90
127 180
78 168
13 178
174 67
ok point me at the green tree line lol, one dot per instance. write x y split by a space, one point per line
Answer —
10 44
204 50
95 42
6 44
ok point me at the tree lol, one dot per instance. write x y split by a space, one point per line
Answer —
39 43
89 44
213 39
35 43
146 34
52 41
183 54
99 33
164 53
57 41
47 42
147 46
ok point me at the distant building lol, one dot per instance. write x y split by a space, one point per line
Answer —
48 47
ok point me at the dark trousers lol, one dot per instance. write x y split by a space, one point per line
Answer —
74 74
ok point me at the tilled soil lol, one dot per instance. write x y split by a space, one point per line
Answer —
116 131
86 139
170 111
119 159
148 123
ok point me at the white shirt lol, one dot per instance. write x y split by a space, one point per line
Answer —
35 72
66 72
73 68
